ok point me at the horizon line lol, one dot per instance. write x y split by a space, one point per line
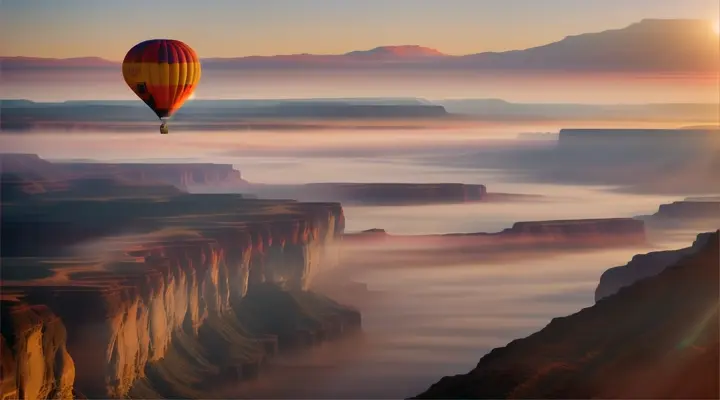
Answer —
190 101
348 53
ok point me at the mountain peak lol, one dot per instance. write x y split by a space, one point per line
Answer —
398 51
673 25
672 21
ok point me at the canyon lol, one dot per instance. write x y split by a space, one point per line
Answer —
39 172
608 230
38 175
530 240
380 194
119 281
657 338
160 294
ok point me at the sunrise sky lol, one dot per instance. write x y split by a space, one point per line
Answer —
230 28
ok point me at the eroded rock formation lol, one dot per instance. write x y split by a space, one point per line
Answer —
655 339
160 297
35 360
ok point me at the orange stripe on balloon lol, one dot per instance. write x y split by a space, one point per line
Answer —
170 97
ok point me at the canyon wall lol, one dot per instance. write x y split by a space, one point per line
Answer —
183 176
524 240
689 210
575 229
668 161
643 266
659 338
206 292
607 231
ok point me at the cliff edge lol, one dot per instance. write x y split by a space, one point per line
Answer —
163 296
655 339
643 266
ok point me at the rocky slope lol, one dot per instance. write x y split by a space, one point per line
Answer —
160 297
643 266
655 339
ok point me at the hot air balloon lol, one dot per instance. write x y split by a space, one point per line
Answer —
163 73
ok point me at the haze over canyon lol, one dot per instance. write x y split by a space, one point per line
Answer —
389 222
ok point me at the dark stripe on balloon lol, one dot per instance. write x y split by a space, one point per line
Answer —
162 112
162 53
173 54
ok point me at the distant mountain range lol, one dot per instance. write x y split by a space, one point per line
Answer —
651 45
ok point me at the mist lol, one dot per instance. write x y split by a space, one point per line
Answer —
591 88
431 306
438 319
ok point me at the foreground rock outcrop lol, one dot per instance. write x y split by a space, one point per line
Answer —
658 338
644 266
35 360
160 296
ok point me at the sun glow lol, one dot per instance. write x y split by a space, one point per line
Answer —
716 27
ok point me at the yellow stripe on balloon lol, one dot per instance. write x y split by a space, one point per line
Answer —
161 74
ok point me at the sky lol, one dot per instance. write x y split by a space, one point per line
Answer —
233 28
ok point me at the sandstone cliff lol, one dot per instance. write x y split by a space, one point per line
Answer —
35 360
160 297
655 339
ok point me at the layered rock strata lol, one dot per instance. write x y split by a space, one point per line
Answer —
161 297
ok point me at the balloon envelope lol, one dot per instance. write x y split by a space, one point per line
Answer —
163 73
